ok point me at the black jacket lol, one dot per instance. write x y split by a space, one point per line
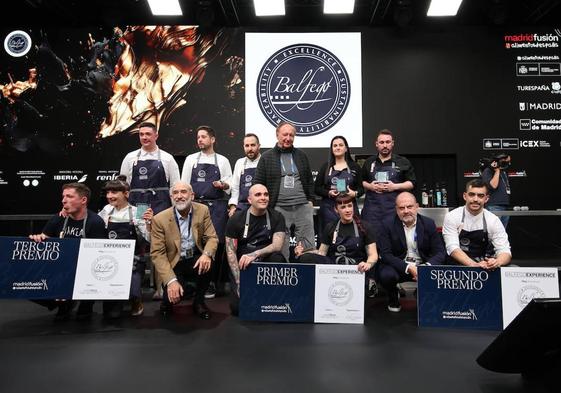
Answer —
268 172
393 247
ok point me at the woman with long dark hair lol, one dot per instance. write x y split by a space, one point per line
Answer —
340 175
346 241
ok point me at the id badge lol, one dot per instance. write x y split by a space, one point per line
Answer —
382 176
288 181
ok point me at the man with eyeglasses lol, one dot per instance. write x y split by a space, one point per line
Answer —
473 235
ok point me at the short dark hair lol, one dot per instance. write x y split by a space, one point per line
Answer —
81 189
385 131
148 124
250 134
477 183
119 184
208 129
282 124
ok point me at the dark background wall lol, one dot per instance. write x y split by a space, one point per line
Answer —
441 91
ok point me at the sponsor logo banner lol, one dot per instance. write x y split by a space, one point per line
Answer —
459 297
311 80
30 270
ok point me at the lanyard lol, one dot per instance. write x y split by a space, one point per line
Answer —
66 224
246 227
292 166
189 222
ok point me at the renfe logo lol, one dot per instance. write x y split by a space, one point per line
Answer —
305 85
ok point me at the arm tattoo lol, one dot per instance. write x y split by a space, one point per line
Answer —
231 250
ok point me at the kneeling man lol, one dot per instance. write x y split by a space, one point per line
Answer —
183 243
473 235
406 240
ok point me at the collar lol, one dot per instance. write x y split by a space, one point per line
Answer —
179 216
146 152
390 159
281 150
472 215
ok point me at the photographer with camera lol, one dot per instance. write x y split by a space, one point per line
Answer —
496 177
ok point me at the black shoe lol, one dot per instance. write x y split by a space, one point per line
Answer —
393 300
166 310
85 310
201 310
64 310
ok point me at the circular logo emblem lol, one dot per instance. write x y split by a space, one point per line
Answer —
305 85
341 248
201 173
142 170
112 235
248 178
17 43
104 268
340 293
334 180
527 293
464 241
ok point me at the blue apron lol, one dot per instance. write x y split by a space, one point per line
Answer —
259 239
202 176
149 184
127 230
327 212
379 206
246 180
347 250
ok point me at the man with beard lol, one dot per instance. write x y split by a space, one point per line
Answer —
384 176
183 243
76 222
244 172
405 241
473 235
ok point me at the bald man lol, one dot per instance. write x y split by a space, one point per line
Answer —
406 241
183 244
255 234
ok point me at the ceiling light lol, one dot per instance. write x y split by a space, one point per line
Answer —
444 7
269 7
338 6
165 7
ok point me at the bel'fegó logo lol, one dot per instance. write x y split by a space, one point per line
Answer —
305 85
17 43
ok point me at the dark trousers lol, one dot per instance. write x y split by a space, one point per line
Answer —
185 273
388 277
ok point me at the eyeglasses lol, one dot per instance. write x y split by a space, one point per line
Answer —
479 194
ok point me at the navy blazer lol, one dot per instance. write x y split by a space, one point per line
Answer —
393 248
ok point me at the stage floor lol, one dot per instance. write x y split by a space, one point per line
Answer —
183 353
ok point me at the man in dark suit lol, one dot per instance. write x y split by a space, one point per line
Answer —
183 244
406 241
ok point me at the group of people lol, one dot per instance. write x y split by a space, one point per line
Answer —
208 222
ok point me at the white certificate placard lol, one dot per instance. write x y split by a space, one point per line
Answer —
339 294
519 285
104 269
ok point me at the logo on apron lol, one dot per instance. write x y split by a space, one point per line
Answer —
112 235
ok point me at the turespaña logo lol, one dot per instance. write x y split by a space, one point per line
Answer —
305 85
17 43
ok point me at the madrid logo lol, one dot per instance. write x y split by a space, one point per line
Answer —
305 85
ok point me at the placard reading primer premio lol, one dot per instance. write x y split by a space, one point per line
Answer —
104 269
312 80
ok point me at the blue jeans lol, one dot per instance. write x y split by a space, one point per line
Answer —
504 219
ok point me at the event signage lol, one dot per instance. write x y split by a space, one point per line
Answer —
65 268
30 270
311 80
302 293
520 285
104 269
475 298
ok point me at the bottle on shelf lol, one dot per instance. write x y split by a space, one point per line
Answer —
438 195
424 196
444 194
431 198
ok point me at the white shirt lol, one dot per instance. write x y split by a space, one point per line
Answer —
122 215
453 226
223 166
235 185
170 166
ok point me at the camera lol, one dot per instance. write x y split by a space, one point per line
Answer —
501 161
